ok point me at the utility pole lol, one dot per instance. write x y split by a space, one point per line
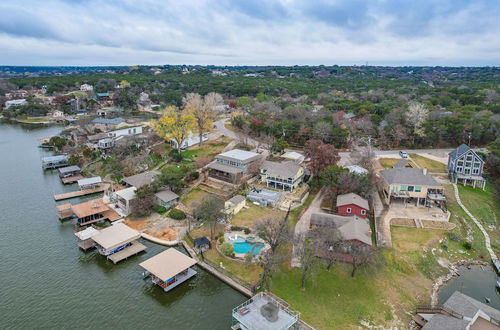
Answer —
469 139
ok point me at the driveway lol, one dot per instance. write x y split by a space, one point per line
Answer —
221 129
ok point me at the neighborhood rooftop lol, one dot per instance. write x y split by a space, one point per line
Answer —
141 179
462 149
167 264
55 158
108 121
166 195
89 181
352 198
88 208
115 236
350 227
237 199
127 193
69 169
240 155
411 176
282 169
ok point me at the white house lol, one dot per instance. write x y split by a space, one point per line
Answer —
124 198
191 140
135 130
86 88
17 102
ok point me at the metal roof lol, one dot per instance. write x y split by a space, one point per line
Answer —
167 264
127 193
87 181
115 236
108 121
69 169
238 154
55 158
167 195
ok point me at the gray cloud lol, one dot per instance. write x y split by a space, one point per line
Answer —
447 32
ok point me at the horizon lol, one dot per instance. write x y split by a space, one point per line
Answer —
250 33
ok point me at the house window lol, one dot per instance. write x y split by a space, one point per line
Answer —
460 163
394 189
475 171
402 188
469 157
468 164
418 189
410 188
467 171
477 165
363 212
349 210
459 169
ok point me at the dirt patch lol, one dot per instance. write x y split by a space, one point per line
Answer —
137 224
167 234
438 224
403 222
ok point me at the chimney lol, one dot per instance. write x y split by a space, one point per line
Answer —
425 171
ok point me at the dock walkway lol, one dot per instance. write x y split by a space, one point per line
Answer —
79 193
72 179
135 248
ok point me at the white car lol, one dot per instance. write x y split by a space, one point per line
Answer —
403 154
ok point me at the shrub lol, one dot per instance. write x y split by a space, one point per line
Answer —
176 156
246 230
467 245
452 236
221 239
227 248
160 209
177 214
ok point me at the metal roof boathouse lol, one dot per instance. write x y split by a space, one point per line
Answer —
118 242
169 268
54 161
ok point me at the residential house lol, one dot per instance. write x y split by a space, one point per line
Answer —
351 228
234 205
231 166
124 198
166 198
191 140
86 88
264 197
352 204
412 185
466 166
285 176
459 312
13 103
133 130
106 124
140 179
357 169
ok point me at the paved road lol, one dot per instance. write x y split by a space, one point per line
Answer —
221 129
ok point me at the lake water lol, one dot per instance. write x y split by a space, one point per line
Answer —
475 282
47 282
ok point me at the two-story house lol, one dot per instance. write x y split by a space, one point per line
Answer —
284 175
231 166
412 185
466 166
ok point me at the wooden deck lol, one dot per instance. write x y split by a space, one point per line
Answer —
135 248
79 193
71 179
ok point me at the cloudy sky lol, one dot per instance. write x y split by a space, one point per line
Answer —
238 32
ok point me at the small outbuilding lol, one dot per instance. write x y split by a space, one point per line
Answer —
201 243
352 204
264 197
169 268
234 205
166 198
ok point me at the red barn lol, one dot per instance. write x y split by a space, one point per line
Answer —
352 204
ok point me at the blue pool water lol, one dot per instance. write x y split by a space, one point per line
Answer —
241 246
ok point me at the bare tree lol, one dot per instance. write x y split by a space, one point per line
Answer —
203 109
328 242
210 210
305 251
360 254
415 116
322 131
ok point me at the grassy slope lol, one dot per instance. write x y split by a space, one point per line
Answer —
247 217
250 273
485 206
429 164
388 162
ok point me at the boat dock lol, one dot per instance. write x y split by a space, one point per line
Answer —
72 179
79 193
133 249
64 211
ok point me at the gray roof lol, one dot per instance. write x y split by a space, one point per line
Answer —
166 195
108 121
225 168
141 179
239 155
462 149
55 158
237 199
69 169
352 198
282 169
463 305
97 136
410 176
350 228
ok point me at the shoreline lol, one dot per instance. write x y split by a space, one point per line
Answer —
452 272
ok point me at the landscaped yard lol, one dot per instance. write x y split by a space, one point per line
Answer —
194 197
248 216
388 162
249 273
208 149
430 164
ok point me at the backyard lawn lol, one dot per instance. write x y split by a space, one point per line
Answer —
248 216
388 162
194 197
208 149
249 273
430 164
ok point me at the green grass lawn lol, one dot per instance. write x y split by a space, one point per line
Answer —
295 213
248 216
249 273
193 197
208 149
430 164
388 162
485 206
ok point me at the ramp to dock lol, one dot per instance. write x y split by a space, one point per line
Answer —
135 248
79 193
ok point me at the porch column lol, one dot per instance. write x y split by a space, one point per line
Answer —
484 184
474 184
418 201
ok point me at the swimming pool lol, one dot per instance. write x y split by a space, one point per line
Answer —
243 247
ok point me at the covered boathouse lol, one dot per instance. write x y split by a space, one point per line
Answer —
93 211
70 174
55 161
118 242
169 268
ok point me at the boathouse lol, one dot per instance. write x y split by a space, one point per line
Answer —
89 183
169 268
55 161
70 174
84 237
118 242
264 311
93 211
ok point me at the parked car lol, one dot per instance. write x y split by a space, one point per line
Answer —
403 154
